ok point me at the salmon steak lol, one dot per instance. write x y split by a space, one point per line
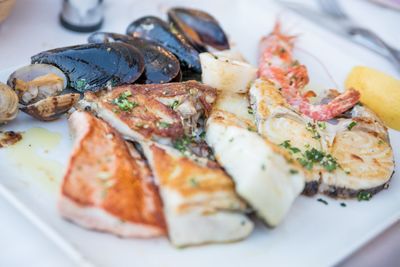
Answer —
108 186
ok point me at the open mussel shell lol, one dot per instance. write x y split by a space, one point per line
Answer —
199 27
36 82
156 30
51 108
8 104
95 66
160 65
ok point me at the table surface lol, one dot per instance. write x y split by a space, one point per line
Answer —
33 27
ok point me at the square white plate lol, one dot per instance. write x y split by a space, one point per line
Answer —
313 234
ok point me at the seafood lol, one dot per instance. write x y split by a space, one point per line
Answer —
226 74
280 124
160 65
95 66
200 203
113 191
345 157
200 28
277 65
155 111
156 30
36 82
51 107
8 104
264 174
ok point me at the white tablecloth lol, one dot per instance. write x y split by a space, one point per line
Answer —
34 27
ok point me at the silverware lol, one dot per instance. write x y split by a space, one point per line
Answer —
336 20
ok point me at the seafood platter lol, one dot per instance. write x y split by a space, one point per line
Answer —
161 143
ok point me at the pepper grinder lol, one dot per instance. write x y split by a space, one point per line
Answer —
82 15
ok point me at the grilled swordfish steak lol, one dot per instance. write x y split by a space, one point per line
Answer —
282 125
107 185
346 156
265 175
200 203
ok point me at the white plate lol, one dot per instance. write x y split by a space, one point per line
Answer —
313 234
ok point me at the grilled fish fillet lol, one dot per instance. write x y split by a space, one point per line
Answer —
277 122
359 144
107 185
362 148
161 112
200 203
264 174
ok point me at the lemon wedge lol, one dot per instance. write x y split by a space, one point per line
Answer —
379 91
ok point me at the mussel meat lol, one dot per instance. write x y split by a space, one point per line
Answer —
8 104
52 107
156 30
36 82
95 66
160 65
199 27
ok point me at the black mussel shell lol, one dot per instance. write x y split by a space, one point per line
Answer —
199 27
95 66
160 65
156 30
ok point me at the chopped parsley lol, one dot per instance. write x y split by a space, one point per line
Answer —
123 103
351 125
312 129
193 182
312 156
321 125
286 144
251 129
343 204
293 171
381 142
202 135
175 104
163 124
80 84
364 196
182 143
250 110
322 201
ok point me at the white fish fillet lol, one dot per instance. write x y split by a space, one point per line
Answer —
264 174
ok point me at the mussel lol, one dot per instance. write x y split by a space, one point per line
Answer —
8 104
156 30
199 27
160 65
95 66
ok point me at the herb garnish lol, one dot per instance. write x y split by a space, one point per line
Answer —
174 104
163 124
123 103
322 125
312 129
293 171
312 156
351 125
250 110
322 201
202 135
363 195
182 143
193 182
343 204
